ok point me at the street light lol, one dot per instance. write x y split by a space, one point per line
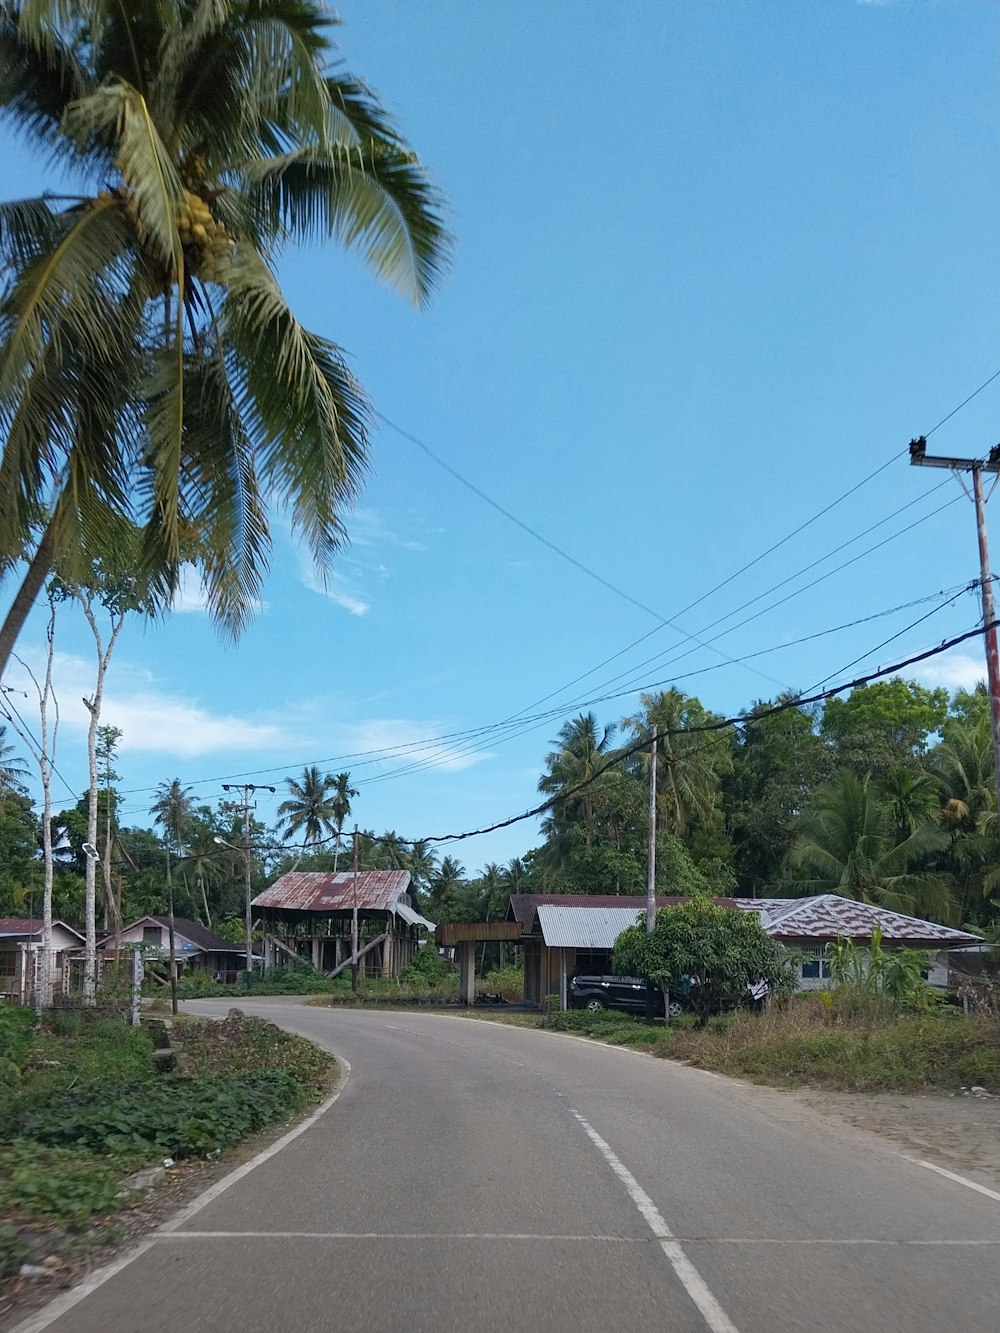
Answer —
248 922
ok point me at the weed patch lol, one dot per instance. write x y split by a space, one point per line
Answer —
870 1052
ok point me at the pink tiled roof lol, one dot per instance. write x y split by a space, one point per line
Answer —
321 891
828 915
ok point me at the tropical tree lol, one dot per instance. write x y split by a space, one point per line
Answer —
310 808
449 876
846 844
173 811
712 954
581 753
963 762
150 367
343 795
13 770
689 760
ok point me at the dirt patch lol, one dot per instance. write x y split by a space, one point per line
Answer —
958 1131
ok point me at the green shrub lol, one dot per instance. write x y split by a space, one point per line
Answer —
17 1031
176 1115
427 966
56 1184
506 981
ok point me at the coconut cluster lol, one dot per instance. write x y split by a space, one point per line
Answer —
208 247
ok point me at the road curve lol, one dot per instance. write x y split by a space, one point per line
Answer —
479 1177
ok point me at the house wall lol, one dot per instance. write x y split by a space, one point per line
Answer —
937 973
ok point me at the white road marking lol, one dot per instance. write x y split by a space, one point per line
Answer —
689 1277
394 1236
552 1236
951 1175
47 1316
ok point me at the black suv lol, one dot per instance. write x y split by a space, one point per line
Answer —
596 993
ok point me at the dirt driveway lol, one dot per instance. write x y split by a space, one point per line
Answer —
957 1131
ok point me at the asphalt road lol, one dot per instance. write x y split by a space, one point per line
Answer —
477 1177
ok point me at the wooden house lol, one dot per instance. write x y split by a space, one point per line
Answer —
307 914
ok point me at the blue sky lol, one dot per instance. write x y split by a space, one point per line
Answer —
716 262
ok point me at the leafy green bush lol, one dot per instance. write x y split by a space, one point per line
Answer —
506 981
290 980
606 1025
56 1184
176 1115
17 1031
427 966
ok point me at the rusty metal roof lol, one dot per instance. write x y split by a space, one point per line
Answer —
828 915
14 927
322 891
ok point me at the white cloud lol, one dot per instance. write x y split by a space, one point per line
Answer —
336 588
366 527
191 595
955 671
409 742
150 719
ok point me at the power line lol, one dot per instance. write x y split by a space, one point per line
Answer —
518 727
715 726
720 725
620 592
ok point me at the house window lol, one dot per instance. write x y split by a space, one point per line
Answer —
815 967
152 935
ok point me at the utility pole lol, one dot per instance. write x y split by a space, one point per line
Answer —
354 919
248 789
651 868
920 458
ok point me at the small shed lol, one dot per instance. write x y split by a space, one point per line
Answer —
308 914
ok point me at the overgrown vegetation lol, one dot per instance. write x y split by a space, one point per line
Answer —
85 1107
839 1043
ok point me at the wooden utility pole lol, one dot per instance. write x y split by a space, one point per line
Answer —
920 458
354 919
651 868
651 859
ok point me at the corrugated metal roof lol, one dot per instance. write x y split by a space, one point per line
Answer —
414 918
584 927
828 915
823 917
522 906
322 891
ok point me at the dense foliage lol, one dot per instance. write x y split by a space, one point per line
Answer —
712 955
886 795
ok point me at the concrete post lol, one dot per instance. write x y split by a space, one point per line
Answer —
467 971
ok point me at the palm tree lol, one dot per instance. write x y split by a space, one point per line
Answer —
964 763
689 762
581 754
422 863
173 811
846 844
201 857
150 366
12 770
343 795
310 808
914 799
450 874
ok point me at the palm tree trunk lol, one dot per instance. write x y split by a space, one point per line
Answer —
27 594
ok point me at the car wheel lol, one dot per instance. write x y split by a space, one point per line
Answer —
594 1005
675 1009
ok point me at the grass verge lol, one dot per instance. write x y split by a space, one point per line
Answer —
86 1107
808 1044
